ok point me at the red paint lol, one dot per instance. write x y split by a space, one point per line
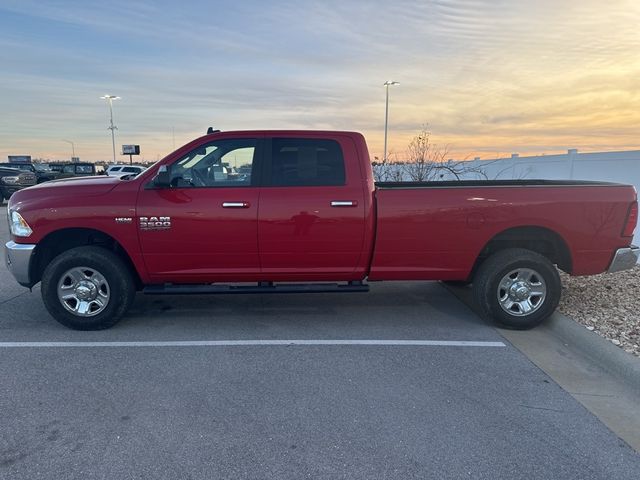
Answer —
426 233
205 240
294 234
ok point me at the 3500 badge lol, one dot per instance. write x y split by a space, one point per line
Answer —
155 223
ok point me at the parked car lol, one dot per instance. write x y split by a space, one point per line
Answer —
67 170
78 170
307 210
122 170
12 180
42 172
56 167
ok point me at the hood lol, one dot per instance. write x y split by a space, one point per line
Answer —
75 186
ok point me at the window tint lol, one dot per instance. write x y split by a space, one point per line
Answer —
300 162
68 169
114 169
84 169
130 170
224 163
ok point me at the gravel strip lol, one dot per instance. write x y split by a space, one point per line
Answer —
607 304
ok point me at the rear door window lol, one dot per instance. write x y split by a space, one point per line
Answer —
299 162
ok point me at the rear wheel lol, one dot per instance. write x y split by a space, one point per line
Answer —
87 288
517 288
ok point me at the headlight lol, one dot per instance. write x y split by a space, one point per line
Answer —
19 227
10 180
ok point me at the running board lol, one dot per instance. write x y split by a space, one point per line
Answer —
262 287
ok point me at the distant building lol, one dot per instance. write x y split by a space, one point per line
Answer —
622 167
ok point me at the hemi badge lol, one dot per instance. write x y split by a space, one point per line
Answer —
124 219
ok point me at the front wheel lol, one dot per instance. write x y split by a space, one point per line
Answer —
517 288
87 288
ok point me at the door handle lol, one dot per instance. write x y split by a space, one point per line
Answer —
236 204
344 203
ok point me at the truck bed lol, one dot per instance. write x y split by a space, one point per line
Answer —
437 230
493 183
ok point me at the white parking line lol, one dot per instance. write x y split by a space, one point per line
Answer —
237 343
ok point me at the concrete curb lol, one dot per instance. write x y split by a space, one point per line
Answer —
589 344
613 359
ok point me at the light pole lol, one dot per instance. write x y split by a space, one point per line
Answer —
73 148
387 84
112 127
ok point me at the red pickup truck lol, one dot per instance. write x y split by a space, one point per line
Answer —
292 211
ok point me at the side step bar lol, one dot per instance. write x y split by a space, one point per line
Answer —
261 287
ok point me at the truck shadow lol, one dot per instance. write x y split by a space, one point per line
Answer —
397 305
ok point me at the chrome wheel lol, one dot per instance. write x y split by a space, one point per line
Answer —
83 291
521 292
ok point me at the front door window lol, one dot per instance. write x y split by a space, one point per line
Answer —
225 163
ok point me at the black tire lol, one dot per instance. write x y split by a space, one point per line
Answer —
488 290
120 287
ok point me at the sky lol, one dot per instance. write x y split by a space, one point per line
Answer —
487 77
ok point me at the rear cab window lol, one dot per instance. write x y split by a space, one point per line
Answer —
301 162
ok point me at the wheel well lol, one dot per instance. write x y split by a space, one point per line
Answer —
538 239
62 240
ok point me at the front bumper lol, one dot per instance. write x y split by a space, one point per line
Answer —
18 259
624 259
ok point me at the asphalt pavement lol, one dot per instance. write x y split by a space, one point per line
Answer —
147 409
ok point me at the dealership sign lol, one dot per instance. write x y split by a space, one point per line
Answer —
131 149
19 158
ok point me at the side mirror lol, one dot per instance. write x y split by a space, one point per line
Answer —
163 177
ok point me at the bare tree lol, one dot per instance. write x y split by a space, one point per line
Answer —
424 158
426 162
380 170
387 171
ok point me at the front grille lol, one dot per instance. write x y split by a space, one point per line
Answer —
27 179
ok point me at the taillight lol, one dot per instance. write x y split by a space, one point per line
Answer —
632 220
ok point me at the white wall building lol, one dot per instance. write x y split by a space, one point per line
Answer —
622 167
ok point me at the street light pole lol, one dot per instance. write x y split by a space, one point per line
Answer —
73 148
387 84
112 127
